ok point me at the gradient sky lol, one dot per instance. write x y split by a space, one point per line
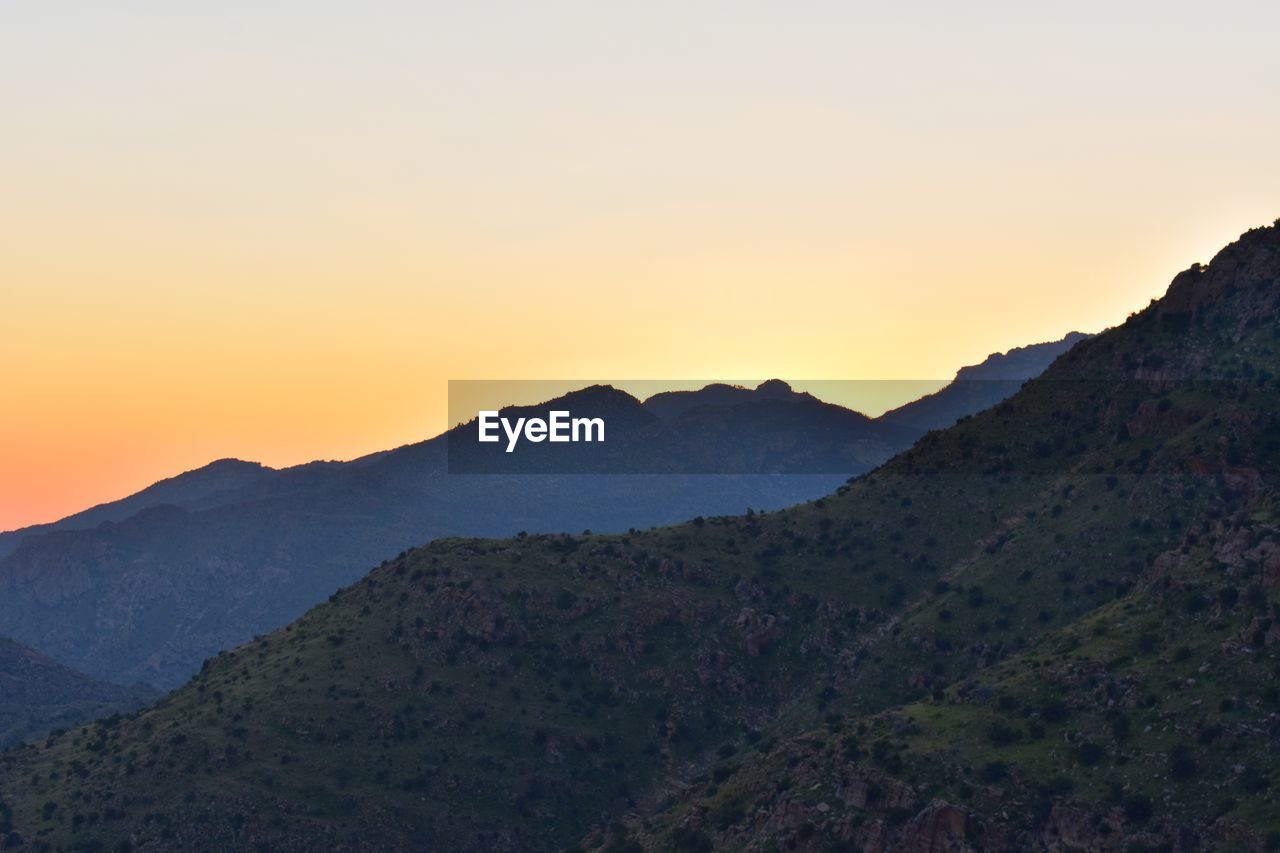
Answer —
274 230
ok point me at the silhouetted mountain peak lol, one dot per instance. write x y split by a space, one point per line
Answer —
190 489
1020 362
1231 298
595 395
229 463
670 404
594 401
775 388
1254 257
982 385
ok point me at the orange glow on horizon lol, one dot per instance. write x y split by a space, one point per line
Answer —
276 232
112 397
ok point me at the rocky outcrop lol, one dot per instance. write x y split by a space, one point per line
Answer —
759 630
1202 288
869 788
940 828
1260 632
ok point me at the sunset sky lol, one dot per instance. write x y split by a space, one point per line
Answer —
275 230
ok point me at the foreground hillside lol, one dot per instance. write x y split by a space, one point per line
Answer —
1048 627
38 694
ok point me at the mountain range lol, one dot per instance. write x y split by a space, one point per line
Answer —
1052 626
147 588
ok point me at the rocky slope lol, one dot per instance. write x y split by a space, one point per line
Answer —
1048 627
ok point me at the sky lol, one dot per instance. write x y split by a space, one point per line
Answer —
276 230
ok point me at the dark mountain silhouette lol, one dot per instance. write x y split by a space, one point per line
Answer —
193 489
721 429
1050 627
146 588
38 694
981 386
669 404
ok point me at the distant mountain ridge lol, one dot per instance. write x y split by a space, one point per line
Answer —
146 588
190 489
718 430
982 385
672 403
